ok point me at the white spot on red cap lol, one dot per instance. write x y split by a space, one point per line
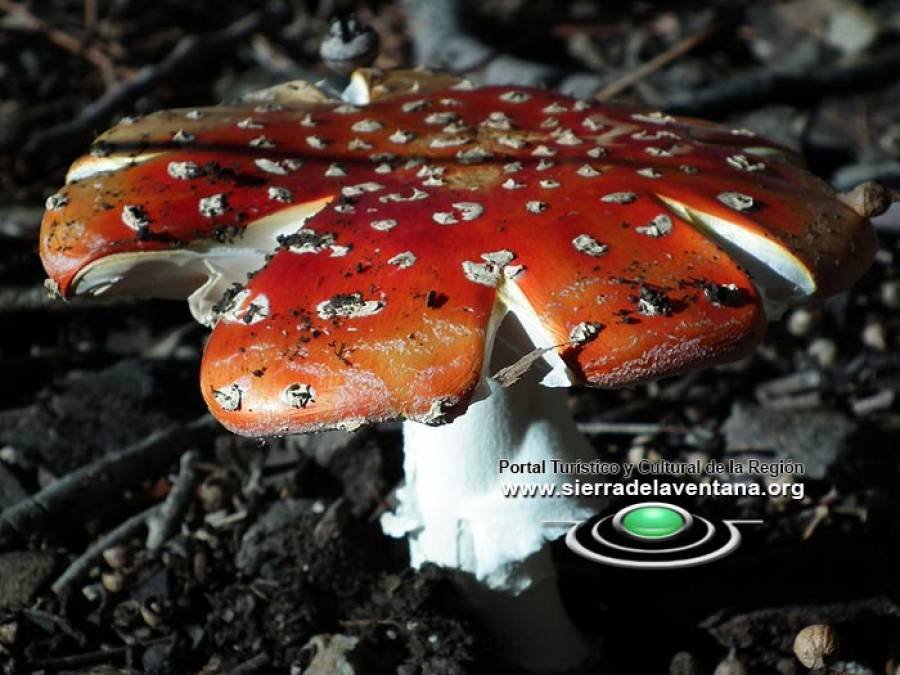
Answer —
644 135
736 200
490 271
298 395
359 144
182 136
228 398
348 306
249 123
447 142
416 195
361 188
414 106
514 142
585 332
744 163
367 126
279 168
568 137
619 198
401 137
213 206
438 118
55 202
262 142
497 120
135 217
472 155
536 206
383 225
469 210
514 96
653 118
307 241
660 226
584 243
653 151
183 170
280 194
593 122
403 260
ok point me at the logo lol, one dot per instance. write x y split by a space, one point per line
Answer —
654 535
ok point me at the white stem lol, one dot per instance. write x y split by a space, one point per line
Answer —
454 512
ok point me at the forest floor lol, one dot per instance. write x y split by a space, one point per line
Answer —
275 561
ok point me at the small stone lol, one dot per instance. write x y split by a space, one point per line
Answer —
890 293
800 322
816 646
331 655
683 663
150 616
874 336
114 582
730 666
117 557
824 351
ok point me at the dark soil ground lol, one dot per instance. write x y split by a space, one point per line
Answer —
275 561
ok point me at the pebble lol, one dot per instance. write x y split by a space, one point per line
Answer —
730 666
800 322
874 336
824 351
890 293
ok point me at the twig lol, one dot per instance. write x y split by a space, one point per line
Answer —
83 563
164 522
628 428
98 113
91 658
764 86
92 54
82 491
661 60
255 664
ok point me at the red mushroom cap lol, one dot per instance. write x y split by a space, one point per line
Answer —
619 233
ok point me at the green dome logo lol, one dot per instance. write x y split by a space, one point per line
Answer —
653 522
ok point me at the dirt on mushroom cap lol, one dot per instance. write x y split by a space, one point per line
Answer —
460 175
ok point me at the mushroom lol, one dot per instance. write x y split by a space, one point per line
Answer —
377 258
